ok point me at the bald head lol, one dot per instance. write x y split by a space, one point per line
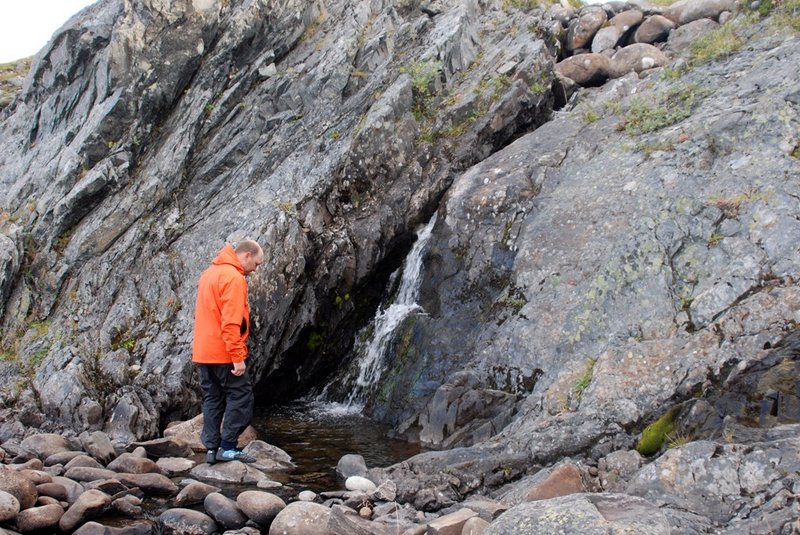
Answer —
250 255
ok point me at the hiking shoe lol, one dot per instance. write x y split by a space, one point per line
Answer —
211 456
234 455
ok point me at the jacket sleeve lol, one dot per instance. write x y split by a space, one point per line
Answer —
233 298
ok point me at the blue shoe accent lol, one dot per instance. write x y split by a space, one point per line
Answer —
234 455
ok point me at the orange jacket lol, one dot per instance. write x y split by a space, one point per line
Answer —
221 314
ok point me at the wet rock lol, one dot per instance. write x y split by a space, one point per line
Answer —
189 432
583 28
386 492
685 11
45 444
187 522
358 483
9 506
224 511
87 473
157 484
351 465
194 493
40 519
268 457
133 464
129 506
37 477
89 505
307 496
164 447
141 527
54 490
98 445
109 486
74 489
260 507
562 480
18 486
585 69
229 472
62 457
655 28
82 461
582 513
345 520
174 466
635 58
450 523
301 518
474 526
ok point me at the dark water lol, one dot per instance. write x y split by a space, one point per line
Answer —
318 435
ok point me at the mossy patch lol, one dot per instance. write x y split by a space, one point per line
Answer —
655 434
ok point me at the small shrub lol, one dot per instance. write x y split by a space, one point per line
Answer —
423 74
590 116
676 440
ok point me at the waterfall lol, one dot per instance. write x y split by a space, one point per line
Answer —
371 350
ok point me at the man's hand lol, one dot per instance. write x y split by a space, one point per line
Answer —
238 368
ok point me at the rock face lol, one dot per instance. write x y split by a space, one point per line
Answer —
589 272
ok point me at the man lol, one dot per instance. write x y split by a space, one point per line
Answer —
219 349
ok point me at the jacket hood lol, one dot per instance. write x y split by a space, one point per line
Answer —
227 255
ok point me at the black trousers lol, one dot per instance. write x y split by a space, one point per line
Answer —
227 403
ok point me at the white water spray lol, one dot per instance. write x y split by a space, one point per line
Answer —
373 351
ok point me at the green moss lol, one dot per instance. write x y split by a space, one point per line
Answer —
663 109
655 434
423 74
314 341
584 380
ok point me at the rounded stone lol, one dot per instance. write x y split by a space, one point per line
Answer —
87 506
20 487
9 506
359 483
45 444
307 496
194 493
44 518
224 511
351 465
179 521
301 518
260 507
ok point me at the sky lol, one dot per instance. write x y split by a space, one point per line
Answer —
27 25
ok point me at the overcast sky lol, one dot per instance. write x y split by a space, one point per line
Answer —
26 25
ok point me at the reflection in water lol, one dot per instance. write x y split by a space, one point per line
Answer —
318 434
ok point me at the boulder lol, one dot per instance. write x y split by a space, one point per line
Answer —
140 527
40 519
18 486
585 69
98 445
361 484
173 466
88 505
685 11
346 520
180 521
224 511
301 518
635 58
351 465
82 461
54 490
582 513
74 489
194 493
9 507
87 473
150 483
563 480
133 464
682 37
189 432
452 523
45 444
474 526
164 447
260 507
583 28
655 28
229 472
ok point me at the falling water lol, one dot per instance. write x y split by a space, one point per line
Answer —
372 351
